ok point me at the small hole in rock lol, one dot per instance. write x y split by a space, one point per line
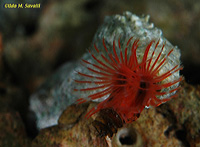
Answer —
182 136
126 140
127 136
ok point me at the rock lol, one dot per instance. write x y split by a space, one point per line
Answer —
183 113
12 130
72 130
148 130
175 123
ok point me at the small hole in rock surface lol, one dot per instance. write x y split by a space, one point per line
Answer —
127 136
126 140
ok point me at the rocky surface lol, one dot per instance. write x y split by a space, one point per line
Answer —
72 130
12 130
175 123
184 115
